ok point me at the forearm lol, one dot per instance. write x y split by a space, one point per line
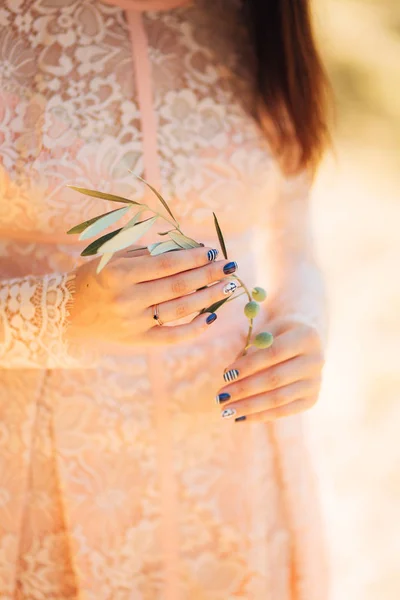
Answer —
297 289
290 271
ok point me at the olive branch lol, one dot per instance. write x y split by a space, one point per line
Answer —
119 239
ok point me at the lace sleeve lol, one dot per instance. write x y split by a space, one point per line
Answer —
290 269
33 317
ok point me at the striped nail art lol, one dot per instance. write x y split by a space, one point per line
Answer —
231 375
228 413
220 398
230 287
212 254
230 267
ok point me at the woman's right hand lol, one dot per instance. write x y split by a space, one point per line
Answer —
116 306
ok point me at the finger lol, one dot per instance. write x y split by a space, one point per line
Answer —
192 303
269 400
287 410
277 376
285 346
175 286
148 268
181 333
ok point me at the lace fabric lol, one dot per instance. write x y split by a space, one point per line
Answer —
33 313
147 4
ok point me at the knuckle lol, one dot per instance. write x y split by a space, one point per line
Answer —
279 397
274 352
165 263
242 390
274 379
179 286
209 275
199 259
181 310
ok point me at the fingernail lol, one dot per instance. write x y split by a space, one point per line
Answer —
230 287
228 413
212 254
211 318
231 375
230 268
220 398
240 419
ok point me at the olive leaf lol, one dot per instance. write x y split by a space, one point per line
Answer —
161 199
102 195
134 220
127 237
220 236
161 247
103 261
82 226
108 255
94 246
104 221
183 240
214 307
152 247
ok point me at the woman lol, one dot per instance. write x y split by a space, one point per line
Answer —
119 478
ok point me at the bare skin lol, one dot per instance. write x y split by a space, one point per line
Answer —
281 380
116 306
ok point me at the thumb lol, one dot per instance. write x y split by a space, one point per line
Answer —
131 252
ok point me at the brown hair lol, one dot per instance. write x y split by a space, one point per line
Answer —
294 93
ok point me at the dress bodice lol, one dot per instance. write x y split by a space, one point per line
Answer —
82 78
147 4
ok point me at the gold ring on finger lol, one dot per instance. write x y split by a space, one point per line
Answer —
156 315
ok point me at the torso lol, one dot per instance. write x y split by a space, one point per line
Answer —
70 92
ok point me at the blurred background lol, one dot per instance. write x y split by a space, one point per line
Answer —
356 202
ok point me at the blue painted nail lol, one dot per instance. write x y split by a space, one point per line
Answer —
231 375
212 254
240 419
211 318
230 268
220 398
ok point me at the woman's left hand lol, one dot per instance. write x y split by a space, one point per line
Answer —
278 381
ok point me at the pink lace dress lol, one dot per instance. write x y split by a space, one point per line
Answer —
119 480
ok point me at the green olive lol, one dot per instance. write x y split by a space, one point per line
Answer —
263 340
251 309
259 294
